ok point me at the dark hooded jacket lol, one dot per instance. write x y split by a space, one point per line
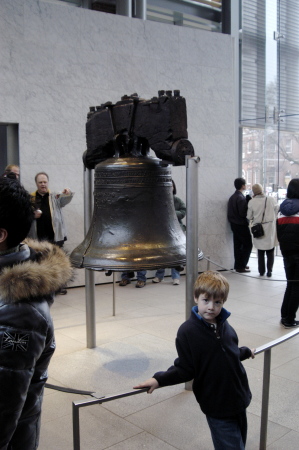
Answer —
29 279
237 209
288 226
212 359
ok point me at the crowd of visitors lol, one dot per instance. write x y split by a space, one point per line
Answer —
33 271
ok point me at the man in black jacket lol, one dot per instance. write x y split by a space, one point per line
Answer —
30 275
236 214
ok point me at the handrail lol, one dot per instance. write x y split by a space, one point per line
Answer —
99 400
266 382
265 394
278 341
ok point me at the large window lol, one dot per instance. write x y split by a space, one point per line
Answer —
203 14
270 93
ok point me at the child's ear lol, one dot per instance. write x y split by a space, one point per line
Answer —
3 235
195 300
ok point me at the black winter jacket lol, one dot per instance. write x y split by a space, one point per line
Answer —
288 227
29 279
237 209
213 360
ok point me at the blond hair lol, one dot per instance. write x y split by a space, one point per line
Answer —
10 167
213 284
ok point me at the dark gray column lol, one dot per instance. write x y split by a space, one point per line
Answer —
9 145
226 16
3 148
124 7
86 4
140 9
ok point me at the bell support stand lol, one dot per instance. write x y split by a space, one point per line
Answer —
191 234
89 274
132 195
191 245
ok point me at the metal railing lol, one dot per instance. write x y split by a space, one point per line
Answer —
266 382
265 394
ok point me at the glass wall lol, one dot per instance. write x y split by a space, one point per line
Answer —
202 14
270 93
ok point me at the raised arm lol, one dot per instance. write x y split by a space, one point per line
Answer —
65 197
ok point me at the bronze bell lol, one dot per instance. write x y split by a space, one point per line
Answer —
134 224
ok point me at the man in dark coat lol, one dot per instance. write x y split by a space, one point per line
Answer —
236 214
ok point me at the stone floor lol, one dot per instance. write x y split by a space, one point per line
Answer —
138 341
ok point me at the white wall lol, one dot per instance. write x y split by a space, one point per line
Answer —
56 60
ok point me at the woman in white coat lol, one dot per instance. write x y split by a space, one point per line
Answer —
265 244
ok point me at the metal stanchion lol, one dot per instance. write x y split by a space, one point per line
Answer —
76 427
191 234
208 262
266 383
191 229
89 274
113 303
265 399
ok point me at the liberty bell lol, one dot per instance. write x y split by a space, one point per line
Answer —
134 224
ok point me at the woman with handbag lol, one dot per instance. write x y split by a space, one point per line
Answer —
263 210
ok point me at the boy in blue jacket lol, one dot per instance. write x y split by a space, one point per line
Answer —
208 354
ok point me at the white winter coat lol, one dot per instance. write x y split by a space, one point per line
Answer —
255 213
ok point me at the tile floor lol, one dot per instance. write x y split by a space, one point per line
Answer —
138 341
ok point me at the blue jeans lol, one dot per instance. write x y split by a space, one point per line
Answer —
229 433
174 273
291 296
141 275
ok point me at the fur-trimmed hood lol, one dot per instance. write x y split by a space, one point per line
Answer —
37 270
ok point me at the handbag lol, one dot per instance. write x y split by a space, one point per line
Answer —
257 229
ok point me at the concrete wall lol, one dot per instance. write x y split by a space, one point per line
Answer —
56 60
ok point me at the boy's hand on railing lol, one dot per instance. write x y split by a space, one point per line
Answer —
151 383
253 353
